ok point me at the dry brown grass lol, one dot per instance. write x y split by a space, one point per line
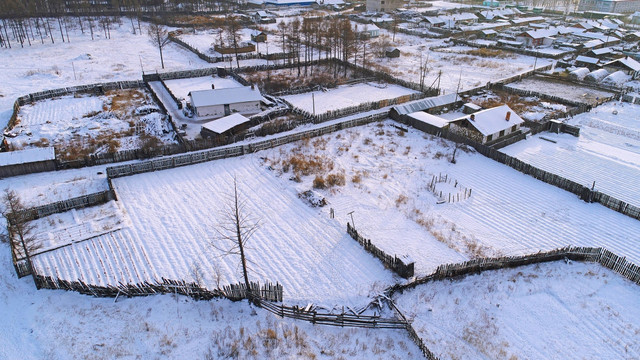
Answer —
319 183
123 102
335 180
304 165
515 102
491 53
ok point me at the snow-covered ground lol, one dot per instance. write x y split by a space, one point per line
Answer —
182 87
84 61
609 142
46 324
346 96
564 90
546 311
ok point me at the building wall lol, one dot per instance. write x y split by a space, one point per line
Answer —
628 6
384 5
244 108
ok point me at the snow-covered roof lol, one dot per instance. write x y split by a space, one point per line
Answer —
525 20
224 96
592 43
627 62
587 59
427 118
367 27
27 156
509 42
597 75
491 121
618 78
264 14
433 20
602 51
221 125
579 73
541 33
425 104
489 32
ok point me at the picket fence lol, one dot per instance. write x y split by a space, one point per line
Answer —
235 292
398 265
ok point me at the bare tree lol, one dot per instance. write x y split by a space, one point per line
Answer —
235 228
233 34
159 37
20 237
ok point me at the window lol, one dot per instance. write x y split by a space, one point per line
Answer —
513 128
489 137
501 133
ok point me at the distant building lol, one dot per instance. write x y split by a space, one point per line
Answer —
222 102
610 6
263 17
392 52
488 125
384 5
368 30
258 36
626 65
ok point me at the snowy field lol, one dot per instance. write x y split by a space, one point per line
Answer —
346 96
174 214
546 311
386 180
111 121
182 87
564 90
608 142
84 61
46 324
457 67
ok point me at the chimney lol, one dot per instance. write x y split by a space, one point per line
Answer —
472 117
213 86
508 116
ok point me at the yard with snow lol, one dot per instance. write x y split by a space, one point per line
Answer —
545 311
609 141
564 90
344 96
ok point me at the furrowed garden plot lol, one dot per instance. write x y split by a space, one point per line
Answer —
379 177
545 311
174 216
609 142
85 124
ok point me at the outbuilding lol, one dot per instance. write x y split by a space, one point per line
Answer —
216 103
392 52
224 126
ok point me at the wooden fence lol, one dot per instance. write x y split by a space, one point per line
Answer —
343 319
235 292
220 153
62 206
412 333
602 256
394 263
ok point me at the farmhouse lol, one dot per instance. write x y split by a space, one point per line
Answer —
227 125
258 36
488 125
625 64
263 17
221 102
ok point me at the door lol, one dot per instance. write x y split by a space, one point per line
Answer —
227 111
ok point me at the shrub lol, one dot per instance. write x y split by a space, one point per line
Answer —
318 182
335 180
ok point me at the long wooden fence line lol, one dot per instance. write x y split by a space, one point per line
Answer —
343 319
221 153
412 332
400 267
268 291
62 206
602 256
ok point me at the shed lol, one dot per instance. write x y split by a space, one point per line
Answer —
431 104
426 122
369 30
588 62
19 162
618 78
258 36
488 125
470 108
224 126
596 76
221 102
579 73
392 52
488 33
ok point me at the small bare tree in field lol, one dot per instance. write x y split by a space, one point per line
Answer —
20 237
235 228
159 37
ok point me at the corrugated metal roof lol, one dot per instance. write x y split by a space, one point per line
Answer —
425 104
224 96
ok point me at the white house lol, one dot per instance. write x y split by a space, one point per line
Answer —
488 125
221 102
369 30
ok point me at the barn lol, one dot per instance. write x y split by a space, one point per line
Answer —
488 125
216 103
